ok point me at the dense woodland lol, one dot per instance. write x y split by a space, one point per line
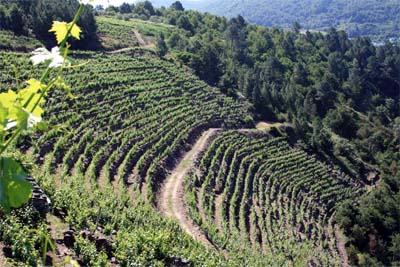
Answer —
35 18
376 19
339 95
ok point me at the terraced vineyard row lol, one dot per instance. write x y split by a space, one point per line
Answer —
11 41
133 117
256 192
115 35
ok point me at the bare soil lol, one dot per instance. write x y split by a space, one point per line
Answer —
341 244
171 200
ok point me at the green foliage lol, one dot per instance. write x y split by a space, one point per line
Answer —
374 226
125 8
21 110
337 92
161 45
89 254
177 6
14 189
135 114
116 34
23 240
259 196
36 17
10 41
298 76
376 19
145 120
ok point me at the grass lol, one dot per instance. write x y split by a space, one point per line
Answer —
148 28
12 42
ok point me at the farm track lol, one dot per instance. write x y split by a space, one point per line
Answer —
171 199
3 260
341 246
139 37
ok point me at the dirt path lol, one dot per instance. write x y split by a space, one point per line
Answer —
217 215
3 260
120 50
341 246
171 200
139 37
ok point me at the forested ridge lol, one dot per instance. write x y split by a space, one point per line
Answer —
334 99
376 19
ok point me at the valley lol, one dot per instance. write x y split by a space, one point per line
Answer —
178 138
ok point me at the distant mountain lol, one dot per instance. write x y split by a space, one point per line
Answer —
378 19
187 4
375 18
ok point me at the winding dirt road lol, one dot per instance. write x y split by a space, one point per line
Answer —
139 37
171 200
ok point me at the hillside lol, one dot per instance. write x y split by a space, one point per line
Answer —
121 135
273 199
187 139
376 19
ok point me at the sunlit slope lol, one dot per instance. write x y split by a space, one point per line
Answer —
132 118
257 193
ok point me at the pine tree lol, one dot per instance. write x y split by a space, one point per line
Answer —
162 48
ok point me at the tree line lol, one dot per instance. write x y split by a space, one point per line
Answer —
34 18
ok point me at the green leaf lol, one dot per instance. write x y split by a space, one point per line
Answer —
60 29
62 85
3 117
76 31
42 126
30 95
21 117
15 190
8 99
3 123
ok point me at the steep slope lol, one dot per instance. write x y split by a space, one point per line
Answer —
109 150
171 200
250 191
133 128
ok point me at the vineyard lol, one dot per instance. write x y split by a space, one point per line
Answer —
118 34
10 41
258 201
251 191
111 147
144 136
131 119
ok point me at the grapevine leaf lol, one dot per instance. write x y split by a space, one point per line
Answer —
15 190
20 116
42 126
30 95
76 31
60 29
3 122
38 110
3 117
8 99
62 85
